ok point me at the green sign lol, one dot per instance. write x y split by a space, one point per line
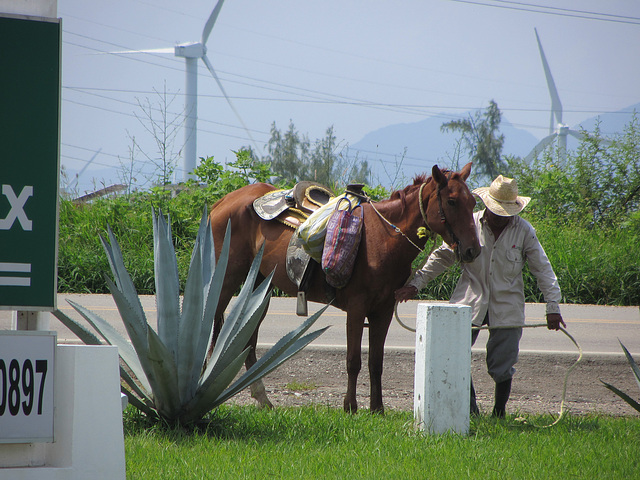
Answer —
29 161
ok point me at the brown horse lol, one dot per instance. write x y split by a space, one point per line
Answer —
389 244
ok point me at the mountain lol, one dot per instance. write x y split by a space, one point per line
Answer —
611 123
412 148
406 149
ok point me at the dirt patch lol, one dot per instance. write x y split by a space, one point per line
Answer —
318 376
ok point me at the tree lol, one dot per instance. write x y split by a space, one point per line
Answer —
163 127
481 138
598 185
292 158
288 154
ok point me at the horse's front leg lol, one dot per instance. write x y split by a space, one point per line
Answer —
378 328
355 325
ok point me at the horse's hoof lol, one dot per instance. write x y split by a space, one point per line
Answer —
259 394
350 407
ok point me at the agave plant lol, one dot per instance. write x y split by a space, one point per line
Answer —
166 374
636 373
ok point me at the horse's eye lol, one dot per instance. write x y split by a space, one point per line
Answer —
451 202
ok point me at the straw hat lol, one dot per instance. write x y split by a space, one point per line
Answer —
502 197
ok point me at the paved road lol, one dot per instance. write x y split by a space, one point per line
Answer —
596 328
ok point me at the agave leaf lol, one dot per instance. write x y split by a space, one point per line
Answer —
235 346
252 310
133 384
122 277
207 395
623 395
260 370
206 247
632 363
239 334
142 344
135 401
238 315
113 337
192 311
288 340
164 380
167 283
137 327
213 296
237 311
78 330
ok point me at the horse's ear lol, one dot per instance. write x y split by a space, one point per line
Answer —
438 176
466 171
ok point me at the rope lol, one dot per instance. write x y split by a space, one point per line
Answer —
533 325
397 230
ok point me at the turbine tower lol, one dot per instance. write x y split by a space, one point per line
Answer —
192 52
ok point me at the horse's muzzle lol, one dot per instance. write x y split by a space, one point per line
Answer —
469 254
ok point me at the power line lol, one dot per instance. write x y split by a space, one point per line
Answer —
557 11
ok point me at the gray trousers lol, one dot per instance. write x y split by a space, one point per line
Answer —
503 347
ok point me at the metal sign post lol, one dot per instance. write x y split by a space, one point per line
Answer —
29 161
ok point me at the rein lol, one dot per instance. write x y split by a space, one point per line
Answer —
443 219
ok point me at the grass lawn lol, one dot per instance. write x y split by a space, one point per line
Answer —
322 442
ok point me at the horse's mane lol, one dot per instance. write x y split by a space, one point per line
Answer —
418 180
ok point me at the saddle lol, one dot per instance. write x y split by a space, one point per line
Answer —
292 207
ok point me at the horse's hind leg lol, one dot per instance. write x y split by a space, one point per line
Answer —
258 392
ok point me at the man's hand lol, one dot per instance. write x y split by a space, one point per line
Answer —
406 293
554 320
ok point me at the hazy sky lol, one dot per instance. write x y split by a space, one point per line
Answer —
354 65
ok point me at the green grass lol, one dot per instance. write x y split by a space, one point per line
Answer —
322 442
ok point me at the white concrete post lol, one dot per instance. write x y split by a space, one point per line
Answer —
443 368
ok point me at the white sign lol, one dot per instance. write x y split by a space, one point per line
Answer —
26 386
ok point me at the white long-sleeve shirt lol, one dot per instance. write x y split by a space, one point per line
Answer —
493 282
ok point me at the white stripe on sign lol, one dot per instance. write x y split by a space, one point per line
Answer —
15 281
15 267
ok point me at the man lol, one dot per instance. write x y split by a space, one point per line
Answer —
492 284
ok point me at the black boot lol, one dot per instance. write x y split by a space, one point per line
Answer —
503 390
473 406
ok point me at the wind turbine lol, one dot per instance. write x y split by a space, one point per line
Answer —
192 52
557 129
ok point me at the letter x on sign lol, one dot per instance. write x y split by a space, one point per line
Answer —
17 208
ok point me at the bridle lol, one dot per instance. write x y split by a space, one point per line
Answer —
443 217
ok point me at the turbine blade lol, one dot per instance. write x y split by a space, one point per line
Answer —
224 93
556 104
129 52
75 180
542 144
575 134
581 136
211 21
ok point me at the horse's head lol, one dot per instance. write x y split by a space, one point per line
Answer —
450 212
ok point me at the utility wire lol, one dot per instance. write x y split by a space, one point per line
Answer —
557 11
